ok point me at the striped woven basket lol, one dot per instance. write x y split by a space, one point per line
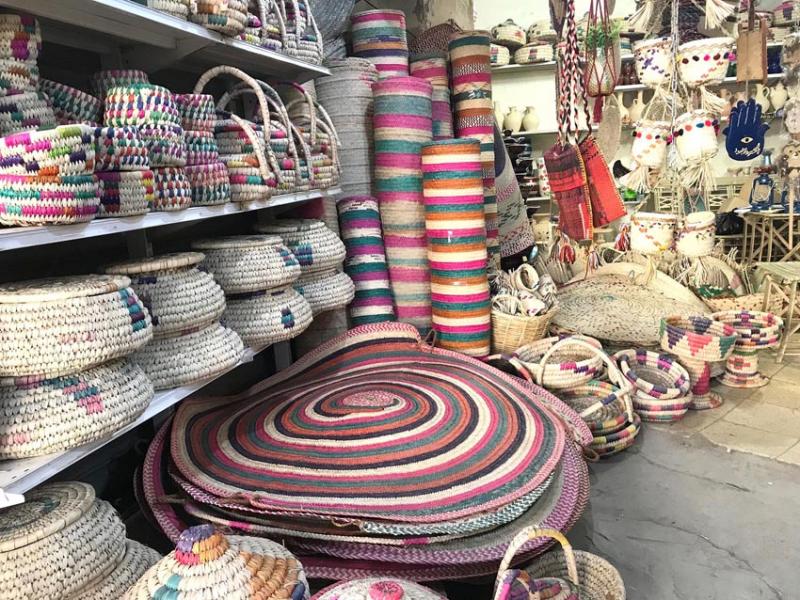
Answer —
380 37
140 104
65 150
500 55
172 189
180 9
210 183
125 193
39 200
269 316
568 366
228 17
509 34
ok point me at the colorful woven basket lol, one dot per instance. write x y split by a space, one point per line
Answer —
268 316
198 111
71 105
17 77
228 17
377 587
180 9
569 366
661 385
499 55
137 559
20 38
201 147
140 104
303 39
434 70
22 112
65 150
380 37
455 228
315 247
55 327
41 416
125 193
165 144
179 297
102 81
534 53
325 290
173 191
509 34
365 262
43 199
210 183
120 149
757 331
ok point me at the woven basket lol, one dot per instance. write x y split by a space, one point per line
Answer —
179 9
509 34
747 302
125 193
61 531
303 39
177 361
65 150
500 55
566 367
22 112
534 53
595 577
137 559
249 263
228 17
201 147
198 111
140 104
377 587
165 144
210 184
172 189
268 317
265 26
71 105
511 332
380 36
102 81
18 77
20 37
434 39
316 247
179 297
55 327
39 200
120 149
326 290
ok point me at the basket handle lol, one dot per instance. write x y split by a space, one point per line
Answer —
524 274
267 7
528 535
312 113
251 135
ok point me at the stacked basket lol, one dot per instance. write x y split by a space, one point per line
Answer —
256 273
661 385
63 543
186 303
152 109
22 106
227 17
380 37
207 174
63 378
71 105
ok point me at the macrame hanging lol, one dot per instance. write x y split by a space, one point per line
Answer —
603 61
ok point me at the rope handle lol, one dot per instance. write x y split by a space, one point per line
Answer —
257 150
525 277
269 7
502 303
312 113
528 535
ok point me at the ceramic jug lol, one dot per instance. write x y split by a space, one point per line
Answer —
513 120
637 107
499 115
762 97
530 120
624 116
778 96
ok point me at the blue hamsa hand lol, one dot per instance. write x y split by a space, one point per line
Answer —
745 131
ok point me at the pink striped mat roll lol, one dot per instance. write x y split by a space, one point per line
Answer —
434 70
455 227
402 123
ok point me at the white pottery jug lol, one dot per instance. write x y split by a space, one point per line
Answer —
778 96
513 120
624 116
637 107
530 120
762 97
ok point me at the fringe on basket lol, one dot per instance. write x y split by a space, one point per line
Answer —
640 19
623 239
716 12
710 101
699 176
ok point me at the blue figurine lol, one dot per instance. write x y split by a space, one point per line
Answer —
745 131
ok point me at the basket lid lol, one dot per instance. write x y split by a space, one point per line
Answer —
51 289
163 262
237 241
47 510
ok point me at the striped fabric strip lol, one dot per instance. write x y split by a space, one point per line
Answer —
455 226
402 123
434 70
380 37
360 227
471 85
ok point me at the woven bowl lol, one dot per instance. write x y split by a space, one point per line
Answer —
102 81
65 150
55 327
39 200
179 297
210 183
268 317
71 105
41 416
316 247
140 104
566 367
23 112
125 193
699 338
326 290
120 149
655 374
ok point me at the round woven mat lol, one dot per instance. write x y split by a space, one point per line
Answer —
373 423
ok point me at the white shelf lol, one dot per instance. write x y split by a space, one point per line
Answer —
549 65
19 476
124 22
12 238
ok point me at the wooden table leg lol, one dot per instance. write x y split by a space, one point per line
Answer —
788 322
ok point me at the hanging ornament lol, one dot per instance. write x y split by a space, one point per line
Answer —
703 62
695 139
751 48
745 131
603 60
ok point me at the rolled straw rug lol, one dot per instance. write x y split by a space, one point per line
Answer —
471 84
402 123
365 263
434 70
380 37
456 232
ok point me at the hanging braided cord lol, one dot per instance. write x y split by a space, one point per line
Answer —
571 92
677 188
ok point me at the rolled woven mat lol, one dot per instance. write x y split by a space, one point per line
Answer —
176 361
179 297
402 123
210 183
102 81
65 150
377 587
315 247
55 327
173 191
166 146
140 104
41 416
72 105
120 149
208 564
473 116
268 316
22 112
62 531
434 70
325 290
365 263
137 560
197 111
380 37
125 193
17 77
456 232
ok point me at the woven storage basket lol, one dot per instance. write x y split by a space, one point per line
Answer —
71 105
197 111
269 316
303 38
40 416
165 144
228 17
140 104
213 565
55 327
176 361
509 34
265 26
38 200
120 149
534 53
172 189
176 8
661 384
102 81
746 302
20 38
500 55
249 263
201 147
179 297
125 193
137 559
326 290
595 577
22 112
566 367
380 37
511 332
210 183
18 77
316 247
60 531
377 587
65 150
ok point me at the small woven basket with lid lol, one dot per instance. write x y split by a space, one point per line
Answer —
316 247
46 199
326 290
269 316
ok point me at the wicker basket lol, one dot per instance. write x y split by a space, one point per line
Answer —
120 149
326 290
303 39
268 28
570 365
511 332
316 247
65 150
71 105
138 558
509 34
499 55
102 81
140 104
268 317
23 112
125 193
228 17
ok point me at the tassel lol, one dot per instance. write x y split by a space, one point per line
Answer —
623 239
640 179
640 20
710 101
566 253
597 116
716 12
592 259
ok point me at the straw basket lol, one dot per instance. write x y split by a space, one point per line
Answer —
201 147
120 149
303 38
179 9
500 55
228 17
65 150
326 290
210 184
570 365
315 247
23 112
268 316
102 81
512 332
377 587
125 193
138 558
270 31
71 105
197 111
172 189
39 200
533 53
661 384
140 104
17 77
20 38
509 34
166 146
